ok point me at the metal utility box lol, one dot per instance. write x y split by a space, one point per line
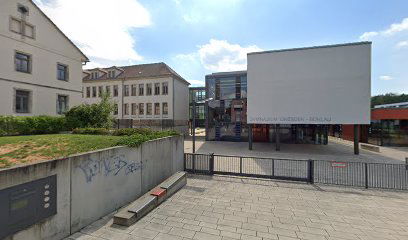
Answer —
26 204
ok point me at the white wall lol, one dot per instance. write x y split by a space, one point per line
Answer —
181 101
91 185
322 85
47 49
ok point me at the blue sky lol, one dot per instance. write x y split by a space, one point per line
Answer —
199 37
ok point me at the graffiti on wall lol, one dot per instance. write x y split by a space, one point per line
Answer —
108 166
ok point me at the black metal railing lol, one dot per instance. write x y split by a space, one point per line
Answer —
359 174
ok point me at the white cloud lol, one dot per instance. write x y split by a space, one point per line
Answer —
100 28
391 30
197 82
220 55
402 44
386 78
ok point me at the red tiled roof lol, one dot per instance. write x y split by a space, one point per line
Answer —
139 71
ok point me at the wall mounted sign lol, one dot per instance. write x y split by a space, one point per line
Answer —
26 204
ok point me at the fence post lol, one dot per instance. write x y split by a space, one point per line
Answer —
212 163
366 174
273 168
193 163
406 163
310 171
240 165
184 162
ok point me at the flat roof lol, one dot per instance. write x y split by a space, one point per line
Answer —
227 73
313 47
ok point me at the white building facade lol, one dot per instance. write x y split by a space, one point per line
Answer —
40 68
149 95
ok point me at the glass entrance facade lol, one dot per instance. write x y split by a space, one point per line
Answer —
226 118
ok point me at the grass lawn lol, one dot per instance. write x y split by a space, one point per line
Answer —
25 149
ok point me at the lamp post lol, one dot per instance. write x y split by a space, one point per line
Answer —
194 117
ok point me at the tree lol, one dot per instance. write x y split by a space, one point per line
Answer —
97 115
388 98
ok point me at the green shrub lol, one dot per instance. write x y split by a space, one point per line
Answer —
96 115
136 139
91 131
12 125
131 131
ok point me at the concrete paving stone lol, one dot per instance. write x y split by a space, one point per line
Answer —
158 227
317 231
250 237
281 237
165 236
208 225
81 236
255 227
206 236
266 235
192 227
230 234
210 231
190 222
235 218
144 233
259 222
309 236
226 228
246 232
283 232
230 223
182 232
175 219
112 235
175 224
185 215
206 219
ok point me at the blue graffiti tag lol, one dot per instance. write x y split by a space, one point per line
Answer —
109 166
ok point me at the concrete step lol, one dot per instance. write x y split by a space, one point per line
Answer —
146 203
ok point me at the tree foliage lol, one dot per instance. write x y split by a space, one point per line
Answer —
97 115
388 98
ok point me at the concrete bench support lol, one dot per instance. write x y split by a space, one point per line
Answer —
370 147
143 205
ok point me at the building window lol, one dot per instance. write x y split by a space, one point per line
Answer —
157 89
107 89
149 109
93 91
126 109
22 27
165 88
88 92
62 72
115 90
157 109
111 74
141 108
165 107
115 109
134 108
134 89
22 62
148 89
100 91
62 104
94 75
141 89
126 90
22 101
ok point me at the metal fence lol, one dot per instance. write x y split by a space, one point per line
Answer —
358 174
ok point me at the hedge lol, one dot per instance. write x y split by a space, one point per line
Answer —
12 125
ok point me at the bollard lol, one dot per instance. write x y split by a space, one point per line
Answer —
406 163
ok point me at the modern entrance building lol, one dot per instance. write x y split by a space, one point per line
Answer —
291 95
226 111
198 95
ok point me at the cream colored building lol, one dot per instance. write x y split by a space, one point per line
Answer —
40 68
147 95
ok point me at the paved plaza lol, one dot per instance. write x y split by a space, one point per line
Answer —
222 208
336 150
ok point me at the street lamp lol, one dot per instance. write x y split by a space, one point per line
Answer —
194 117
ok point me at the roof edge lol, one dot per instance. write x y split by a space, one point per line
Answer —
313 47
59 30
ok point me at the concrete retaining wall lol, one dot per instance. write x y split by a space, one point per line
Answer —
91 185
